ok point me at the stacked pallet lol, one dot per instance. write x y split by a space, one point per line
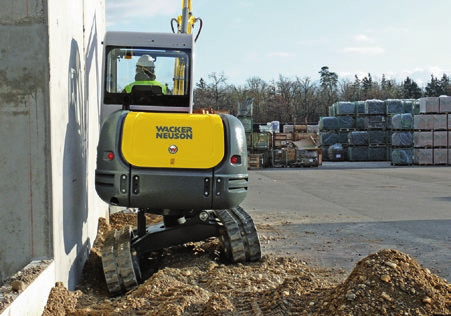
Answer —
361 129
372 139
401 139
283 154
432 131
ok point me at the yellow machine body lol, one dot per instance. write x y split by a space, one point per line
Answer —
169 140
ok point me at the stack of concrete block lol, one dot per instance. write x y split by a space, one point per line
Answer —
432 129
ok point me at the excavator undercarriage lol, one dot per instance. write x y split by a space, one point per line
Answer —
123 248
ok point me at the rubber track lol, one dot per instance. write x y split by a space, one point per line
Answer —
251 239
240 240
117 261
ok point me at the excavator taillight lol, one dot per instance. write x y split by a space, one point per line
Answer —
110 155
235 160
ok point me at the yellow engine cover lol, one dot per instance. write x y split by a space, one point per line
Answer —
168 140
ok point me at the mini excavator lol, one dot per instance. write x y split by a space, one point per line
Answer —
156 156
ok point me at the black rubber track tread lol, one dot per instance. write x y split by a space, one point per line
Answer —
125 260
231 239
117 261
251 239
109 263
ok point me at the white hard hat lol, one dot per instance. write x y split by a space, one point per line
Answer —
145 61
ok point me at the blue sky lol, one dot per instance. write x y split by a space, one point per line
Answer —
266 39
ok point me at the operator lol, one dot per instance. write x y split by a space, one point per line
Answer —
145 74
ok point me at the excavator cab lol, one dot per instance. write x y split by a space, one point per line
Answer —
154 155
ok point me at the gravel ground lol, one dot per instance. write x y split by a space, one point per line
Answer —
192 280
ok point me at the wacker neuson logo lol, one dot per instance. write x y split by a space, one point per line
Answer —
174 132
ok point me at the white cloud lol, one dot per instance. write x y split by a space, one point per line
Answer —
421 75
363 38
366 50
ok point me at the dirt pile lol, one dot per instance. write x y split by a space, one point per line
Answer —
191 280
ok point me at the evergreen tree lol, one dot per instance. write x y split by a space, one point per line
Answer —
367 85
383 83
433 88
445 85
357 88
328 84
411 90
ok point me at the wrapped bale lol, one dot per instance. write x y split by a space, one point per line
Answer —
440 156
261 140
360 122
408 106
358 153
247 123
328 123
402 139
429 105
346 122
377 153
377 137
402 121
343 137
328 138
375 122
422 156
325 153
402 156
359 107
336 152
394 106
358 138
444 104
332 110
388 122
245 108
440 121
275 126
440 139
389 137
423 122
416 107
344 108
423 139
313 129
375 107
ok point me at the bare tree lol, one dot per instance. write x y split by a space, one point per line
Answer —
257 88
307 105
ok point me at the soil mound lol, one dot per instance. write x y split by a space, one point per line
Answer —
191 280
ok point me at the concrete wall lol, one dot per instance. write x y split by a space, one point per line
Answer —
25 161
76 30
50 73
